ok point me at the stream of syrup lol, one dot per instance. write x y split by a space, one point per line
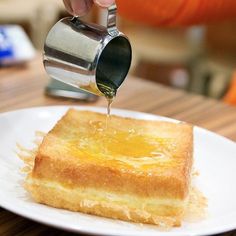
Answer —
110 93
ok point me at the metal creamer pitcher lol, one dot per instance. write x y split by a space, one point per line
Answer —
88 56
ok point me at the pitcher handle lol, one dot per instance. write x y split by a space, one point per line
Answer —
111 20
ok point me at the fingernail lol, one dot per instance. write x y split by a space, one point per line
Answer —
104 3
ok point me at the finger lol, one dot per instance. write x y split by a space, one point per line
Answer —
78 7
104 3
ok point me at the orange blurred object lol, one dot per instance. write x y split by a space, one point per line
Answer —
177 12
230 96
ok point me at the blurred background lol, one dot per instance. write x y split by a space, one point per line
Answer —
199 59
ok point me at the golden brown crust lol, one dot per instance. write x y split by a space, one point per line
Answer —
72 175
157 165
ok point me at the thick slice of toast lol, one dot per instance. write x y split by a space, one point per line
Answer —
116 167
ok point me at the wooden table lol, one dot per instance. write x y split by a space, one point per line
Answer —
22 87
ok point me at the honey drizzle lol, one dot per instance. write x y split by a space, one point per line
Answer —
109 102
109 93
195 209
28 155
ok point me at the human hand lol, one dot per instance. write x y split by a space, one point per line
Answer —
82 7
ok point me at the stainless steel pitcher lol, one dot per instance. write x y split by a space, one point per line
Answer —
88 56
